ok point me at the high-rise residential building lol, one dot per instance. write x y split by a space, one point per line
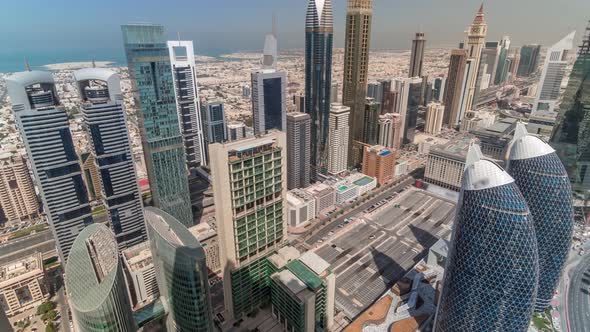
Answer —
454 86
236 130
529 60
334 93
434 118
465 92
184 73
319 37
390 130
439 88
552 75
104 116
543 180
570 136
96 285
489 64
338 139
479 264
370 123
501 68
249 179
148 60
44 126
299 102
359 16
381 92
298 150
214 124
417 56
17 192
140 274
411 92
269 91
474 43
181 273
379 163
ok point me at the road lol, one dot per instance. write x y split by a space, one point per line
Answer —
578 297
42 241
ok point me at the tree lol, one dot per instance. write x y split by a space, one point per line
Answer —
45 307
49 316
50 327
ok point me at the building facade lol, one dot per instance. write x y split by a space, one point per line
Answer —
434 118
390 126
338 139
529 60
479 265
22 284
417 56
370 124
181 272
236 130
445 163
43 126
140 274
104 116
298 150
301 209
475 41
18 199
209 240
96 284
269 100
324 195
454 86
184 73
148 60
379 163
319 38
214 124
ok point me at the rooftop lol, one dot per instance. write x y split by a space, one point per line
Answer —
455 148
364 181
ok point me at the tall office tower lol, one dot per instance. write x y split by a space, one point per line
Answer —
269 91
552 75
249 179
482 82
236 130
439 88
184 73
334 93
370 123
44 126
571 136
96 285
504 47
390 129
356 66
434 118
529 60
413 94
298 149
475 41
338 139
544 182
181 272
152 82
379 162
493 241
105 120
465 92
454 85
17 192
319 35
417 57
213 114
492 52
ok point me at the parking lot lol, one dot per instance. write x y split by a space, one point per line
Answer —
374 252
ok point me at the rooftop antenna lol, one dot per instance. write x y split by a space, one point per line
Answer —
27 66
274 24
93 63
178 33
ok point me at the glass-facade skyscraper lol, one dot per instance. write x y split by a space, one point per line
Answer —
150 71
491 274
529 60
319 36
543 181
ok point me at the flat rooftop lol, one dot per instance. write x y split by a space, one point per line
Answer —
364 181
456 147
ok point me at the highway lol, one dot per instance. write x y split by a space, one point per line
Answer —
42 241
578 299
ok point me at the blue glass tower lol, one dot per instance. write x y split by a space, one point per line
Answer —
319 35
148 60
492 271
544 182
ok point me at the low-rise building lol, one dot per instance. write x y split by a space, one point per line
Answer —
324 195
22 284
494 140
345 191
301 208
141 277
446 163
363 182
401 167
379 162
209 240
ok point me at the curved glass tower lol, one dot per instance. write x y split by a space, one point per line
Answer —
544 182
181 272
96 285
492 272
319 36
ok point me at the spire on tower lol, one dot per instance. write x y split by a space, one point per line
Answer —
93 63
479 17
274 24
27 66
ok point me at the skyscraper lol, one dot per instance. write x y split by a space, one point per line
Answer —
390 131
96 285
370 123
356 62
298 149
319 35
184 73
269 91
249 179
44 126
417 57
17 192
214 122
236 130
454 86
105 119
181 272
439 88
411 98
434 118
552 75
529 60
492 268
338 139
542 179
503 48
571 136
492 52
474 43
152 82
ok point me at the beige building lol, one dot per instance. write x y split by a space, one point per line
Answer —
446 163
22 284
434 118
390 130
140 275
338 139
91 176
209 240
17 193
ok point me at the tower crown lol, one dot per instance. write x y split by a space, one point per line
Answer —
479 17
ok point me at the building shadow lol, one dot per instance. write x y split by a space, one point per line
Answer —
425 239
387 268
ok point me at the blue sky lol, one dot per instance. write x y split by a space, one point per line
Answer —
37 27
